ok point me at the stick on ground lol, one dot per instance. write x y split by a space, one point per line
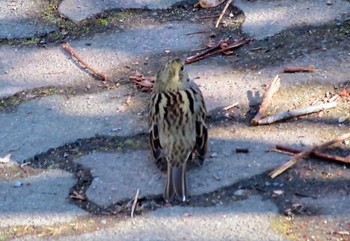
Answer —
317 154
222 13
221 47
230 106
295 113
296 69
306 153
270 91
71 51
135 202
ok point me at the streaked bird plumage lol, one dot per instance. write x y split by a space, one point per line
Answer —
177 125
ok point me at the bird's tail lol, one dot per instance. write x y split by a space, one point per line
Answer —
175 186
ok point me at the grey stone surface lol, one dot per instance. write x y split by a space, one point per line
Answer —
41 200
29 67
216 76
117 176
249 219
337 205
53 121
78 10
267 18
49 122
21 19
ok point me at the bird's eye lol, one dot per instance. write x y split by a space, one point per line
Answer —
182 68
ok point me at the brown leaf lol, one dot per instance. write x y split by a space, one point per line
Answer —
345 92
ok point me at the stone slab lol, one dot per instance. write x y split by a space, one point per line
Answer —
41 200
267 18
29 67
53 121
336 205
249 219
78 10
117 176
21 19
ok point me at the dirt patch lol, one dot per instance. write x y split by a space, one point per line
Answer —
10 172
74 227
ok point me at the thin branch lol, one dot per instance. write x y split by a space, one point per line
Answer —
222 13
135 202
282 151
295 113
306 153
221 47
71 51
291 151
296 69
270 91
230 106
332 157
199 32
196 57
291 162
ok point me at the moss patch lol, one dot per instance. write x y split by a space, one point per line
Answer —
75 227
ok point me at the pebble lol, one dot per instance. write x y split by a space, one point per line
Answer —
343 119
18 184
239 192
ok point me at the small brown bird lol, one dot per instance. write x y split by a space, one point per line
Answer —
177 125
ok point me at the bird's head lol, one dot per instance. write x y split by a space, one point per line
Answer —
171 76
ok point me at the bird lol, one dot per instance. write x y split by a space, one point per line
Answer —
177 125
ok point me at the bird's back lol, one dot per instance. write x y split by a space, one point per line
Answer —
176 124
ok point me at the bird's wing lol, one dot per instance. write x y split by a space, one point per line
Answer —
201 127
201 139
154 140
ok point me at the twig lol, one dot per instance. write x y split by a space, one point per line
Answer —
332 157
135 202
196 57
296 69
71 51
306 153
315 101
295 113
230 106
333 98
281 151
291 162
77 196
220 47
222 13
270 91
316 153
343 233
199 32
